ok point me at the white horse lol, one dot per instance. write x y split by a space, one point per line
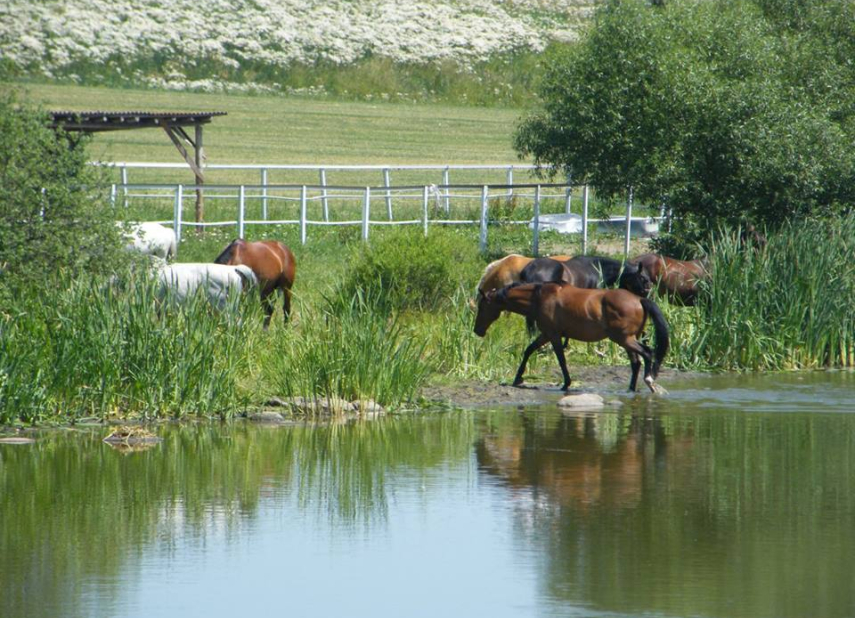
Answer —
219 282
150 238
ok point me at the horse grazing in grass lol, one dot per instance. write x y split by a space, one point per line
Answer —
220 284
561 310
676 279
273 265
506 271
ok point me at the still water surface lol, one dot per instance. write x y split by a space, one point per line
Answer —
732 496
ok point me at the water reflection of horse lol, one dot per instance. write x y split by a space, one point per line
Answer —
676 279
561 310
273 265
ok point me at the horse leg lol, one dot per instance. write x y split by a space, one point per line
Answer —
644 351
267 304
636 365
286 302
562 361
538 343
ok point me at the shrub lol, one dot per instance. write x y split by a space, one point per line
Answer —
53 216
405 270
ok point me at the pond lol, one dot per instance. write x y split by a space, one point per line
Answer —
731 496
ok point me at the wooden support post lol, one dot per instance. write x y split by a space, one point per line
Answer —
200 177
195 162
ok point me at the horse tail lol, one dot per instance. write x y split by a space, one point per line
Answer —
661 329
226 255
533 310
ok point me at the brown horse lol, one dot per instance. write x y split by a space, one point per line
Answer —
506 271
273 265
676 279
561 310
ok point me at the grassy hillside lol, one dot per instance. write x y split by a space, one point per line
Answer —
276 129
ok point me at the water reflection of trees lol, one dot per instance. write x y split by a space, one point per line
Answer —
74 510
714 514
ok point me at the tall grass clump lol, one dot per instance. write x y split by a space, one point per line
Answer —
97 350
788 305
350 347
405 270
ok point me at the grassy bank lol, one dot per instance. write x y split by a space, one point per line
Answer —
380 321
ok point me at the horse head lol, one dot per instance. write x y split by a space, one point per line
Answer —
635 279
488 311
228 254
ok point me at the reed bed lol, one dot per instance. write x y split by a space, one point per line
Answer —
786 306
103 348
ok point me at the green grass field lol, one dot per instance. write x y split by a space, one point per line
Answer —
282 130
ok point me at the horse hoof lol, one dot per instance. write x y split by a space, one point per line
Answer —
517 383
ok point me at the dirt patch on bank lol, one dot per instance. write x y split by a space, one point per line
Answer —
608 381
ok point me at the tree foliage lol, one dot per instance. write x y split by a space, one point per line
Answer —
54 219
726 110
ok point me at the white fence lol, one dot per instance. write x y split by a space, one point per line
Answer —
424 205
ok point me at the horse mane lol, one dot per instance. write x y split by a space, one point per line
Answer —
226 254
492 266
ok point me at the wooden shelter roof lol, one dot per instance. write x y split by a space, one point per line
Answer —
91 122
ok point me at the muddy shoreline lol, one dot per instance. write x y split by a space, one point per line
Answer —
608 381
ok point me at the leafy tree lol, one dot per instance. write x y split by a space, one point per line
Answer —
728 110
54 218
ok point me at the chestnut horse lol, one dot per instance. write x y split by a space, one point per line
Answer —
676 279
561 310
273 265
505 271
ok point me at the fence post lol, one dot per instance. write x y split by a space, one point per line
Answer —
176 216
569 194
628 223
483 240
113 196
584 219
387 183
425 208
264 193
366 212
445 181
303 214
324 199
241 209
125 183
535 238
510 177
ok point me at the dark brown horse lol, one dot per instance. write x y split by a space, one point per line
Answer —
561 310
273 265
676 279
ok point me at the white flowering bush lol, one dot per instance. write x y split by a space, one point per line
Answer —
217 45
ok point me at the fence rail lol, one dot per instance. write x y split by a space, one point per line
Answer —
355 206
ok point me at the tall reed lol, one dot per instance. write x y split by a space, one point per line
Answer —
788 305
350 347
99 349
